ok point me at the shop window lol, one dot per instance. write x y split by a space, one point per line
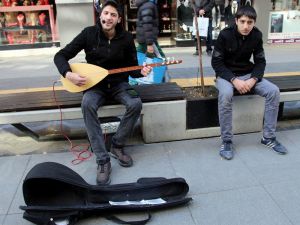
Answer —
131 14
284 22
24 22
185 17
285 4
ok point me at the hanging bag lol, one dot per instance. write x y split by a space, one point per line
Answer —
202 26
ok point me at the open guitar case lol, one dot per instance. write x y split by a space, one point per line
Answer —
55 193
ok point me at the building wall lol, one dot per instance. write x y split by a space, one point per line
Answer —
263 9
72 17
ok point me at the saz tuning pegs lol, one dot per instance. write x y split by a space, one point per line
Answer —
170 60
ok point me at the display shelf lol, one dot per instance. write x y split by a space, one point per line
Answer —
13 27
132 20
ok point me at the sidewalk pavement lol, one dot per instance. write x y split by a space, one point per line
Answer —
19 70
257 187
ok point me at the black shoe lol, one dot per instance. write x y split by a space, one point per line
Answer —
103 173
274 145
124 159
209 53
226 150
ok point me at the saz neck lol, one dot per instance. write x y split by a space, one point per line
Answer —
131 68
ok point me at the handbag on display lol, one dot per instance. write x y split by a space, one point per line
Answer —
55 194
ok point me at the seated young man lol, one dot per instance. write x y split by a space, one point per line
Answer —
234 70
107 45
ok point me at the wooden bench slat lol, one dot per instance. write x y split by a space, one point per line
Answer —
44 99
286 83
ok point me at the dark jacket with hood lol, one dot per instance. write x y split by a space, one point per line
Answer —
207 5
147 22
118 52
233 51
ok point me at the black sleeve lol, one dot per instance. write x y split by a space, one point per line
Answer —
218 59
62 57
132 59
259 60
209 6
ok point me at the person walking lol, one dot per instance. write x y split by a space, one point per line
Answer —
204 8
147 28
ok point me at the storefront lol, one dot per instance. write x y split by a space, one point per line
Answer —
27 24
167 20
284 22
33 24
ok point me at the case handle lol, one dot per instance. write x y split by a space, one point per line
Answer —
120 221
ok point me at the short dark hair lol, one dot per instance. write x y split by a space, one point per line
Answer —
247 11
115 4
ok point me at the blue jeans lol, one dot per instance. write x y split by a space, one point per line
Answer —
92 100
263 88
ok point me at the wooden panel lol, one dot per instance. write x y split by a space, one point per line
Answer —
286 83
45 100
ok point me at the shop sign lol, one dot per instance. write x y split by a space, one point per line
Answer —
284 27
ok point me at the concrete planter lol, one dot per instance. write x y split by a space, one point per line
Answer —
198 118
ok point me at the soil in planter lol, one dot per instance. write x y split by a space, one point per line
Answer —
195 93
202 110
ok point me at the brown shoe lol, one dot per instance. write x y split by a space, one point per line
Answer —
124 159
103 172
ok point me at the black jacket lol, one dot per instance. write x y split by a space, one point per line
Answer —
109 54
229 16
207 5
185 15
233 51
147 22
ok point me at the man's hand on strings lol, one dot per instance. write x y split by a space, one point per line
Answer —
76 78
146 70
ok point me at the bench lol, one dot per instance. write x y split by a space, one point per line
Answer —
289 87
19 108
248 110
164 114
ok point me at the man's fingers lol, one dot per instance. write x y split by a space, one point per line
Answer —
146 70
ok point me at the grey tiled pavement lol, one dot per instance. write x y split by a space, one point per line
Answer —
257 187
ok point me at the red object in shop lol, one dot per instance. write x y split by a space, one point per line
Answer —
44 2
10 38
21 20
14 3
6 3
31 9
42 18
